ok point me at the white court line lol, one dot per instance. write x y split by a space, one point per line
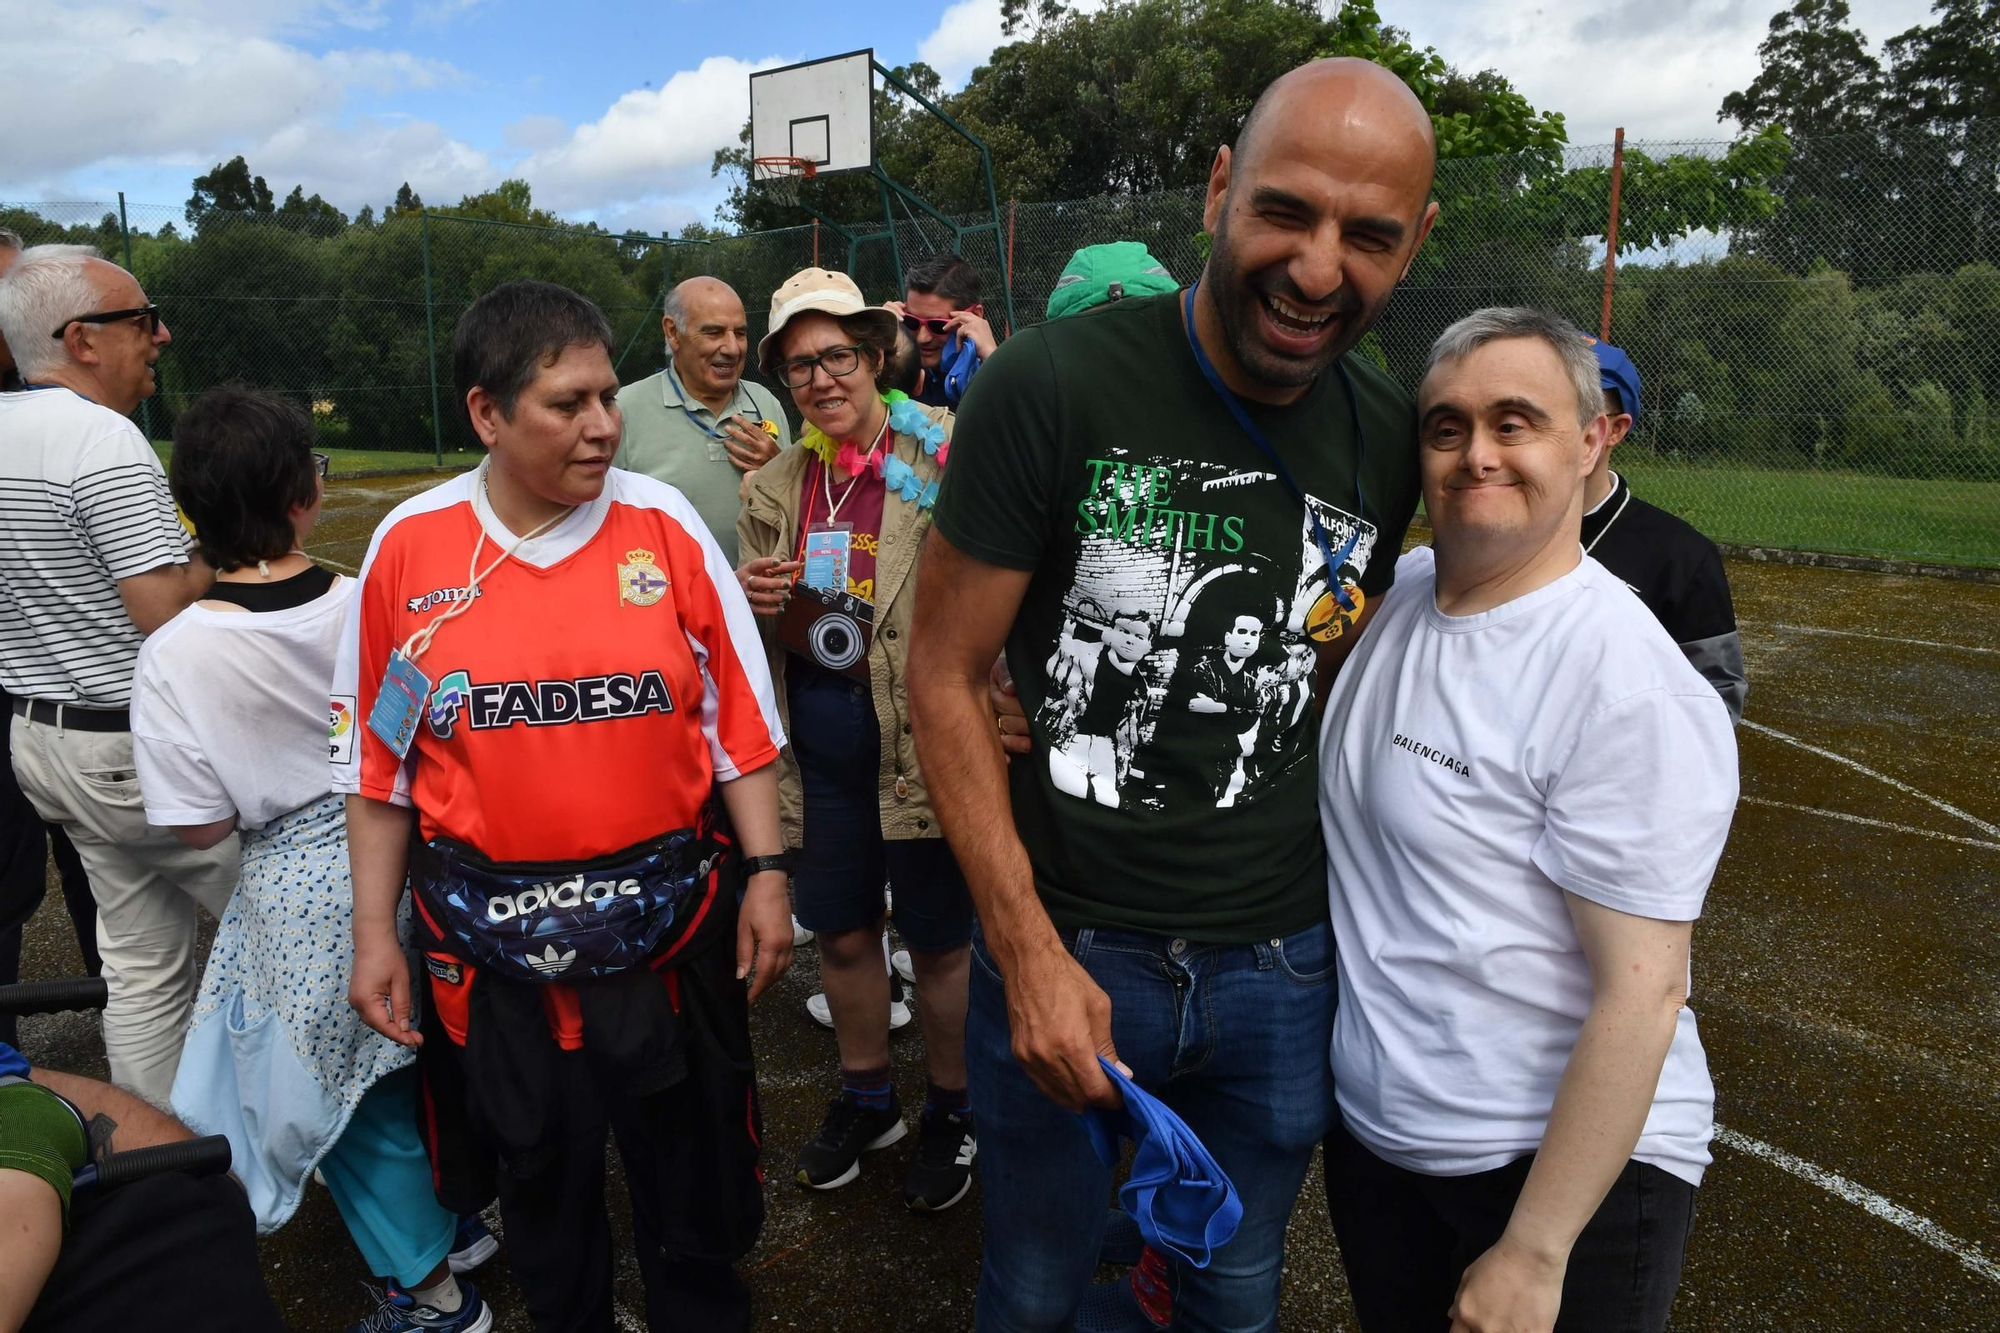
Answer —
1872 823
1858 634
1989 830
333 564
1925 1230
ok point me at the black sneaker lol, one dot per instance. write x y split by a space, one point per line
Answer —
941 1172
850 1129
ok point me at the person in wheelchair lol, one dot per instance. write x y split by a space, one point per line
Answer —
173 1250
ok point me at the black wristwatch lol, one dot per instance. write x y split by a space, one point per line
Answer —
757 865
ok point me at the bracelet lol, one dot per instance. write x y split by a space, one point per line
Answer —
757 865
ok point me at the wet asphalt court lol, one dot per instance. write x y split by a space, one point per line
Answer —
1847 979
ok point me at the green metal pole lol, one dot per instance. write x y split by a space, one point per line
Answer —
125 234
985 165
430 337
889 228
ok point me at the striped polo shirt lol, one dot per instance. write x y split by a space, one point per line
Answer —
83 504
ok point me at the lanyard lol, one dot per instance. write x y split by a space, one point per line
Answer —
826 484
692 412
1334 559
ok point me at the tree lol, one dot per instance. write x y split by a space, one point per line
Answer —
228 186
407 201
1135 98
1817 77
316 215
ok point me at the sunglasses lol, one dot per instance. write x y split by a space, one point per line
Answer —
916 325
149 313
321 462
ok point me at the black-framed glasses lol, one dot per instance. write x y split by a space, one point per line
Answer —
322 462
838 362
149 313
916 324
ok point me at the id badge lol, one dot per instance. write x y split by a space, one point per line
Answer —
399 704
826 556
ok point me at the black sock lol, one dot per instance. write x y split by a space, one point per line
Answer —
950 1101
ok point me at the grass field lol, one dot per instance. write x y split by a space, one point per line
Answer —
1847 513
351 462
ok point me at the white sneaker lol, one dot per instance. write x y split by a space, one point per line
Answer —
900 960
822 1012
801 937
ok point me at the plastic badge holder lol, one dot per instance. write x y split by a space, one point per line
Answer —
1177 1192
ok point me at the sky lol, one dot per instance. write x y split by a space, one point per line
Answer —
613 109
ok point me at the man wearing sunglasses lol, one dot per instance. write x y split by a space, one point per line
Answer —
942 311
93 559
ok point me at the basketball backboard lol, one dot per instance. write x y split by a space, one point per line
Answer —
820 110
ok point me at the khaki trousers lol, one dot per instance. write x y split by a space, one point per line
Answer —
147 884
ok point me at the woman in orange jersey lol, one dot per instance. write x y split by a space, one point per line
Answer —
569 748
848 511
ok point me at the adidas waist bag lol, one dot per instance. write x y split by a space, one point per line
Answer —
567 920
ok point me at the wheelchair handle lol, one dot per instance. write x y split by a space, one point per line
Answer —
51 997
207 1156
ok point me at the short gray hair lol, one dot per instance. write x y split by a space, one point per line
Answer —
674 306
11 240
1498 323
47 285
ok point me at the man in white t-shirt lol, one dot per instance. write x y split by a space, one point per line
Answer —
93 559
1524 792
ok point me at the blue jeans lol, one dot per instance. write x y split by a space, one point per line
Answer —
1233 1038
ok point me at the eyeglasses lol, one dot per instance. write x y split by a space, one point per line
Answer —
322 462
916 325
835 361
149 313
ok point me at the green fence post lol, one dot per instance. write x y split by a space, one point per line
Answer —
125 235
431 337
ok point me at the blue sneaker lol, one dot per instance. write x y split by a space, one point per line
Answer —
396 1311
473 1246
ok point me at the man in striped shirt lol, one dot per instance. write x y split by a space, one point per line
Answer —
92 559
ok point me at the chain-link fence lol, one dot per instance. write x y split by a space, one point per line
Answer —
1817 324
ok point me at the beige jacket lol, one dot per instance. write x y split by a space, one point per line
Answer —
768 525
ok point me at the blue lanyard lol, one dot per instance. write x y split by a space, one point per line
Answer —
1334 559
681 389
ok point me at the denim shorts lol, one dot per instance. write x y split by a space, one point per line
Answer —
845 862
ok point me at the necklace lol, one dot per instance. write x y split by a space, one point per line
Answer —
826 475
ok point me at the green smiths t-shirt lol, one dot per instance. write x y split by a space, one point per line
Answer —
1165 648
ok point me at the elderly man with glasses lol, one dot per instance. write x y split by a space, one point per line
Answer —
93 559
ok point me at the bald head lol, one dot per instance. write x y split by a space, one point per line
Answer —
1316 212
708 335
1358 95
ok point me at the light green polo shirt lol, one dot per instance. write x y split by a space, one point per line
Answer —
669 434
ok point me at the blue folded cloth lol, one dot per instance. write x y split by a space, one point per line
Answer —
961 362
1177 1193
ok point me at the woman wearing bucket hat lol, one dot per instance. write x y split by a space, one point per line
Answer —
847 512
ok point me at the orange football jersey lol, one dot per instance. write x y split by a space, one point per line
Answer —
606 675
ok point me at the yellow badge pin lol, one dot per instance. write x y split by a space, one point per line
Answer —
640 581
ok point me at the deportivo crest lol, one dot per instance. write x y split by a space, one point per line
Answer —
640 581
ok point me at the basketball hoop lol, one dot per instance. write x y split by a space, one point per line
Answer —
784 177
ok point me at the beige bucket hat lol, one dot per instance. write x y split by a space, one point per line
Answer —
822 290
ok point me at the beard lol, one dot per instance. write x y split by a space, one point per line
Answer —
1238 296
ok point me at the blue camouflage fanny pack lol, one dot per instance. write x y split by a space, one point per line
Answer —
568 920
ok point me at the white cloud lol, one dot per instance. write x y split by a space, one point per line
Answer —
533 133
364 162
180 82
965 36
1659 70
651 143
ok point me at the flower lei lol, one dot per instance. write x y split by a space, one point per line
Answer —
905 418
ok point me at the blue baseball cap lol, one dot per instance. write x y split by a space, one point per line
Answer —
1616 371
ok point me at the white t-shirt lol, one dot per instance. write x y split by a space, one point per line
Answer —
83 504
229 713
1472 769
